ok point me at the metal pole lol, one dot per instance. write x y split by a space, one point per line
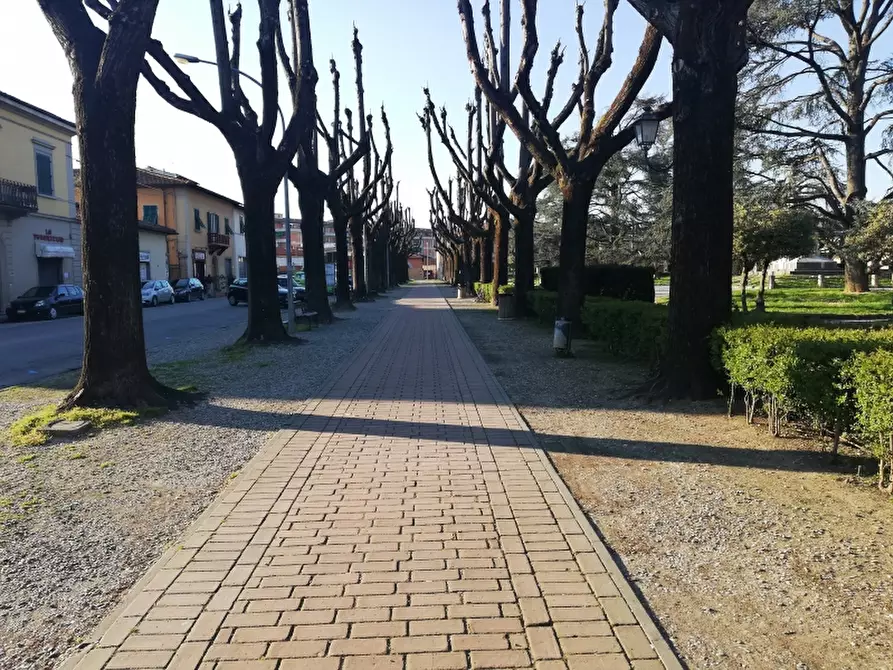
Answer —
366 257
289 268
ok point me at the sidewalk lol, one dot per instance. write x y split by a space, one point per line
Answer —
407 520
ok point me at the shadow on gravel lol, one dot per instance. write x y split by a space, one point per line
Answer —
791 460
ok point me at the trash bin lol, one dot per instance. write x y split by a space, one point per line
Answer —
506 307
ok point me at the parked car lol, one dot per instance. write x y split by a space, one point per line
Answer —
47 302
186 290
298 285
157 291
238 292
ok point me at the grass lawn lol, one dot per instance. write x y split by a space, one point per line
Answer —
824 301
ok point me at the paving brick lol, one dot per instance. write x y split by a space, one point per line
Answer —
418 644
499 659
635 642
388 530
140 659
598 662
444 661
300 649
358 647
479 641
382 629
543 643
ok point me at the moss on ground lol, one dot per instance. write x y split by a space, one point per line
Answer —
28 431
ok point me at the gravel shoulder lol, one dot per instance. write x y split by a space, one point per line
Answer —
81 521
752 552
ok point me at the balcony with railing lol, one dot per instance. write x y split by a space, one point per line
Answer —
17 199
217 243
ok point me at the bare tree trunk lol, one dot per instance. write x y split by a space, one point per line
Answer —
342 271
705 69
114 372
264 312
524 257
487 258
572 248
360 290
500 274
316 293
761 295
744 278
855 274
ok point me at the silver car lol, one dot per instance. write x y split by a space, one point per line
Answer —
156 292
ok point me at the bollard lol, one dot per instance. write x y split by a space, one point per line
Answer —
772 281
821 281
561 339
875 283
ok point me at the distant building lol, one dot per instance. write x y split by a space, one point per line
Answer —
423 264
40 237
297 243
210 241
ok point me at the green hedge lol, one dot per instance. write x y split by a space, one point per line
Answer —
871 377
623 282
631 329
544 304
800 371
484 291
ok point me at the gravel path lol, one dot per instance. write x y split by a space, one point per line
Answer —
751 551
80 522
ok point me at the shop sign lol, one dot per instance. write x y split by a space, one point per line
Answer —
144 257
198 255
49 237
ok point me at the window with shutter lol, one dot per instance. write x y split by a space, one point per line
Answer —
198 220
43 159
150 214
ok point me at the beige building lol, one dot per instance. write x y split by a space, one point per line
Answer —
40 237
154 251
208 226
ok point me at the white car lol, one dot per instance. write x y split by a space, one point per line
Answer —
156 292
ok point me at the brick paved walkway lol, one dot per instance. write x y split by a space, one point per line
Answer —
407 521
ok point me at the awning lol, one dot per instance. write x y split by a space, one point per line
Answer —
44 250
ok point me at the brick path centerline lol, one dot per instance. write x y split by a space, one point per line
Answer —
407 520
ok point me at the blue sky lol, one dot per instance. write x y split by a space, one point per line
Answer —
408 44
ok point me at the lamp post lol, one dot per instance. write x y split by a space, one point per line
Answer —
646 127
289 267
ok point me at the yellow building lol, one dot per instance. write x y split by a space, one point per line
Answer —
209 244
40 237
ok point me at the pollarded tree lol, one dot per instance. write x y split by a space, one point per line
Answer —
106 66
261 165
600 137
709 48
821 94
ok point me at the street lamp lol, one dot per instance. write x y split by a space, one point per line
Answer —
289 268
646 129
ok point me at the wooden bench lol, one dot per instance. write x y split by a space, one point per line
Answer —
305 314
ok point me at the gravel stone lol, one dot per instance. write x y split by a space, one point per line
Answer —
82 520
753 552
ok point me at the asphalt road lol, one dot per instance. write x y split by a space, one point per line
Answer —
34 350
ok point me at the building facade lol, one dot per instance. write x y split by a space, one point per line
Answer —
297 245
207 245
40 237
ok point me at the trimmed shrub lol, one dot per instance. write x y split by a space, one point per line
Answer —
484 291
631 329
544 304
871 377
797 370
623 282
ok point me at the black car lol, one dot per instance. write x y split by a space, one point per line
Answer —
187 290
47 302
238 292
